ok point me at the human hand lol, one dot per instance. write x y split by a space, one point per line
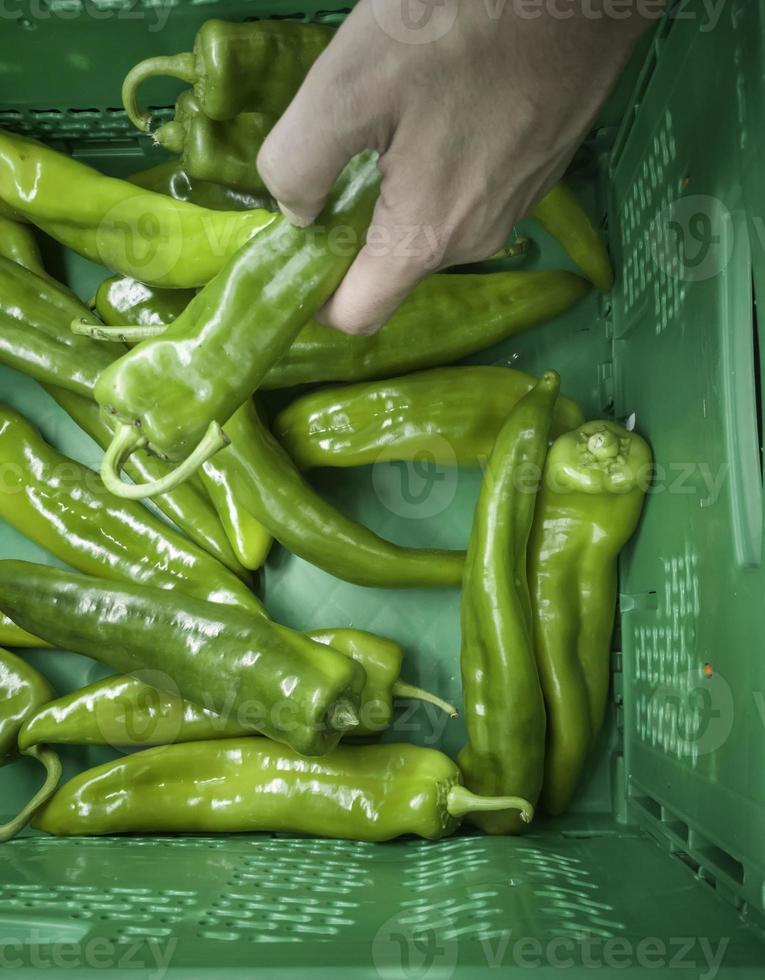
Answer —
475 115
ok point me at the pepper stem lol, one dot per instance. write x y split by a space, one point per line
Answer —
183 66
132 334
342 716
460 801
127 439
603 444
171 136
52 766
404 690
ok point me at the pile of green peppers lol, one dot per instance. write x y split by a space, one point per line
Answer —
252 725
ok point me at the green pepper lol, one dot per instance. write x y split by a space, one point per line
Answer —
504 710
129 711
216 151
216 656
171 179
35 338
117 224
12 635
363 793
269 485
122 301
65 508
22 692
450 415
236 67
18 243
562 215
117 298
172 393
592 494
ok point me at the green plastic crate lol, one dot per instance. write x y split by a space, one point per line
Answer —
661 864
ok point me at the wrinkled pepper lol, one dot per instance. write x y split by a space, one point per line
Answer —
130 230
450 415
362 793
257 65
504 709
221 657
592 493
63 506
35 338
172 393
266 481
216 151
22 692
248 539
18 243
130 711
171 179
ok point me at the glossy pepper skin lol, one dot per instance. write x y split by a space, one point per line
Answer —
216 151
12 635
560 213
504 710
34 335
234 68
127 711
22 692
35 339
588 508
169 392
269 484
215 656
363 793
248 542
450 415
130 230
171 179
65 508
451 316
18 244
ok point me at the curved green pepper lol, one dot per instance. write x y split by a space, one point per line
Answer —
18 243
216 151
592 494
12 635
562 215
172 393
129 711
171 179
35 338
504 710
117 224
450 415
217 656
266 481
22 692
65 508
364 793
236 67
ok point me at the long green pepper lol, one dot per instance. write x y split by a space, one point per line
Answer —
284 685
504 710
172 393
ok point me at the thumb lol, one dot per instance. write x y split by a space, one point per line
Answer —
309 146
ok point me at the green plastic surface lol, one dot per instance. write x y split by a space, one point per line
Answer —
676 351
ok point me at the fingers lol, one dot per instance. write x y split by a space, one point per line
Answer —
315 138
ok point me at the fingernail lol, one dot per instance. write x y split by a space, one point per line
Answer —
294 219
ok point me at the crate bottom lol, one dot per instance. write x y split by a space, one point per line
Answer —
584 894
